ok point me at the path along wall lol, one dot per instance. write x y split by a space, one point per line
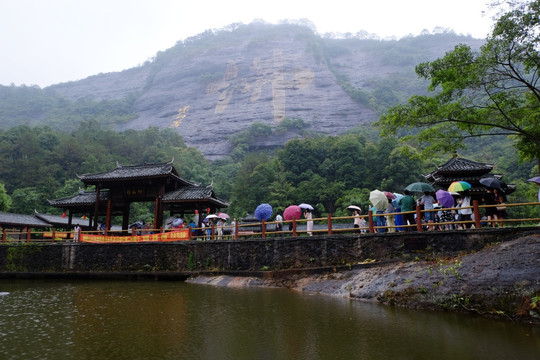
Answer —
245 255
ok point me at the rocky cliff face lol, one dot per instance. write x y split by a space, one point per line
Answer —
217 85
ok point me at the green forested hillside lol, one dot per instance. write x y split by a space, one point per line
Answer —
329 172
40 163
32 106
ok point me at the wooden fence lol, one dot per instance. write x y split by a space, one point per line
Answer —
321 226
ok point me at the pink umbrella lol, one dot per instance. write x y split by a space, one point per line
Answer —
223 216
389 195
293 212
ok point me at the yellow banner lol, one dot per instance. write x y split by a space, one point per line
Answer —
58 234
178 235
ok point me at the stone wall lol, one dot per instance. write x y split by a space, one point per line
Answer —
245 255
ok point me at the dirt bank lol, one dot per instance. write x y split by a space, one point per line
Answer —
502 280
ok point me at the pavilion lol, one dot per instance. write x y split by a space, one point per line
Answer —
115 190
459 169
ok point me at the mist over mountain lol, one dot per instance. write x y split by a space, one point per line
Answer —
217 84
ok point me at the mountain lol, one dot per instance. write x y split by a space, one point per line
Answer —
217 84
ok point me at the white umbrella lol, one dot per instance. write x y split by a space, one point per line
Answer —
305 206
211 216
354 207
378 199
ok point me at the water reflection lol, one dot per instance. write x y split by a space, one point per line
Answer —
173 320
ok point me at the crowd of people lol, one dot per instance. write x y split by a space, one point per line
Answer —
434 215
399 215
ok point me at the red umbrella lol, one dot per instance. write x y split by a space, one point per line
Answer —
293 212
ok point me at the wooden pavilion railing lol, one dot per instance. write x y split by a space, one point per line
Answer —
323 226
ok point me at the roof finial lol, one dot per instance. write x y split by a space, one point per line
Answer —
455 155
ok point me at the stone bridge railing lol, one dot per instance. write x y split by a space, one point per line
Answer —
180 259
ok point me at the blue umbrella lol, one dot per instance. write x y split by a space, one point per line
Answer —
263 212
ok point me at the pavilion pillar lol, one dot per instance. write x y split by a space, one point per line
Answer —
158 209
108 220
96 206
70 222
158 215
200 217
125 217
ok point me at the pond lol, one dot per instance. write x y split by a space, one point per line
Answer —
46 319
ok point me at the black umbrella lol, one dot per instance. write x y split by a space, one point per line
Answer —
492 182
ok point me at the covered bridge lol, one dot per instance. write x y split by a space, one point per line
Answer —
115 190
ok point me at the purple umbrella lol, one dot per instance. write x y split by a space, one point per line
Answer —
535 179
445 198
263 212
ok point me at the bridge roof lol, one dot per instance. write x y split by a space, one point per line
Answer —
61 221
195 194
135 172
21 220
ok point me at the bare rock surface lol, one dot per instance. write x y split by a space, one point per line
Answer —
502 280
217 85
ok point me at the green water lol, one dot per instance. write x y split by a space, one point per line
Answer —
174 320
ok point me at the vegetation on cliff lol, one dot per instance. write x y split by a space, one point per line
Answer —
485 93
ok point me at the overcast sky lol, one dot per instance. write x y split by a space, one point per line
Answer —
44 42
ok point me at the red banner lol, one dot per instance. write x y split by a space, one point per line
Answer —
178 235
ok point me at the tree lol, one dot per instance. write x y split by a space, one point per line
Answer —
490 92
26 200
5 199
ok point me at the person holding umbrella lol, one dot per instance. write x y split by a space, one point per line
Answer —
407 204
428 201
292 212
466 214
356 221
233 228
501 210
219 227
390 219
536 180
491 212
446 201
279 222
309 222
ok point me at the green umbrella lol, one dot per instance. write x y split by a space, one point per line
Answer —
419 187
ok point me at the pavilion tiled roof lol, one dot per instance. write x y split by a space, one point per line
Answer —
59 220
82 198
460 165
194 193
130 172
21 220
